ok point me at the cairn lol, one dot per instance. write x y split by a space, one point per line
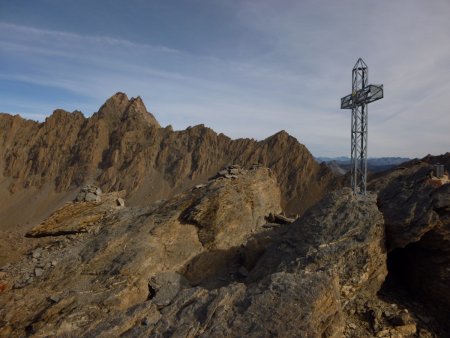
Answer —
89 193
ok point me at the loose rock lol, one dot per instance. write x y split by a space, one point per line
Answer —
120 202
89 193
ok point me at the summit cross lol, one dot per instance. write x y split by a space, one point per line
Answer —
362 94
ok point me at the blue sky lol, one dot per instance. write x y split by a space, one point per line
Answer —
244 68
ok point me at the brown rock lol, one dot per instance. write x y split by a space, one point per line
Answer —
74 218
296 285
123 147
134 266
417 220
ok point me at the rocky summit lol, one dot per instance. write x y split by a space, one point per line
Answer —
115 226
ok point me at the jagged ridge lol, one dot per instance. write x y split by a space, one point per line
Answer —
123 147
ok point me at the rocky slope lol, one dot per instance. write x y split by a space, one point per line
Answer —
416 209
122 147
115 252
209 262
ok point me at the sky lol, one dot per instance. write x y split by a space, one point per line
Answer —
243 68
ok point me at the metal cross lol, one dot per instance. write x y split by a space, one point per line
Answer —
362 94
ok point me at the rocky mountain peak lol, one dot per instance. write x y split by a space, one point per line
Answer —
119 108
136 109
62 116
282 134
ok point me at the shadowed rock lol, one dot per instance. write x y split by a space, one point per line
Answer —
417 216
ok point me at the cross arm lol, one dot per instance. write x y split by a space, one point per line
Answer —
368 94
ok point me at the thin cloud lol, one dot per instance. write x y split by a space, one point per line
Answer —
289 67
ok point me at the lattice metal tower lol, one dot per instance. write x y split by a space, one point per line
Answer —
362 94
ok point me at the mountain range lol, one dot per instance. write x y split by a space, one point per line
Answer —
123 147
113 225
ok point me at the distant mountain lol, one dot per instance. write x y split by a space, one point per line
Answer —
341 164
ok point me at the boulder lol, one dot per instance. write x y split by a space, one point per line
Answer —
120 202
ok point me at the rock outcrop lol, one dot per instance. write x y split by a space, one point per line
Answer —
301 286
80 216
416 209
203 264
208 262
118 260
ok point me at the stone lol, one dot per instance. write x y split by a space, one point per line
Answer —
223 172
89 193
54 299
80 197
91 197
234 171
38 272
404 330
36 253
120 202
281 219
